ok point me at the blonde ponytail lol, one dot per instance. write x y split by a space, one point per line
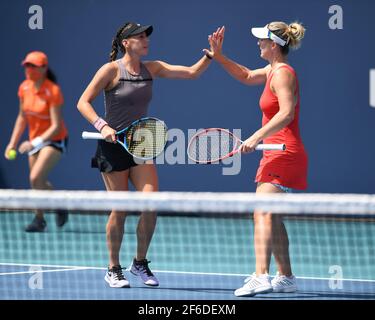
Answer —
295 33
292 34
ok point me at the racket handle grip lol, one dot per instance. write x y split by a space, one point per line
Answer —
281 147
92 135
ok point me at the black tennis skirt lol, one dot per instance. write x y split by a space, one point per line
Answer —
111 157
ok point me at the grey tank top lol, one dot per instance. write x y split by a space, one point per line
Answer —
129 99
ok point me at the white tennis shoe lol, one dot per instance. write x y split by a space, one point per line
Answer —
255 284
115 278
141 268
285 284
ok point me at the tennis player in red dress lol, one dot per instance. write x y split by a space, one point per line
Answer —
279 171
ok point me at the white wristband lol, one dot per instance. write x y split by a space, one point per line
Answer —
37 142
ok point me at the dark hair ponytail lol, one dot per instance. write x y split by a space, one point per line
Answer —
113 54
51 75
116 43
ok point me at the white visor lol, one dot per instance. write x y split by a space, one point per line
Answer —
265 33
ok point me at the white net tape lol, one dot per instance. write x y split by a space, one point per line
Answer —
189 201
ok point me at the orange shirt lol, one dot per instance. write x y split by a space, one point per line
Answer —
289 167
36 106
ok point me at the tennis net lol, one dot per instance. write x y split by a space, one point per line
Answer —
202 248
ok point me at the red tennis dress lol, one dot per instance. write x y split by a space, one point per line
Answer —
287 168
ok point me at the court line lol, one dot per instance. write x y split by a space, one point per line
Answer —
73 268
246 275
66 268
38 271
336 279
44 265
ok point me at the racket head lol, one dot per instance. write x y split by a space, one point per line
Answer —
212 145
146 138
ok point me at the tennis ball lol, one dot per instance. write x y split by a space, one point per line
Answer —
12 154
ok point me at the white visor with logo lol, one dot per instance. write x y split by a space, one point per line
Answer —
265 33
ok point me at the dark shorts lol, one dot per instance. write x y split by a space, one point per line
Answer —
60 145
111 157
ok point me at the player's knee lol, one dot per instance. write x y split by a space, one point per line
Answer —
149 216
263 216
150 187
118 216
37 182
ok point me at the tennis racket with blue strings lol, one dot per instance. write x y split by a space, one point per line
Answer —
144 139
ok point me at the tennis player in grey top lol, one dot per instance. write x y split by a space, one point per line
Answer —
127 85
129 99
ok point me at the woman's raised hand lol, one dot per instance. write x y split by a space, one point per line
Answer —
216 40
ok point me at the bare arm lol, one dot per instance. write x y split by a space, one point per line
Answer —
55 127
236 70
243 74
283 84
18 130
162 69
101 81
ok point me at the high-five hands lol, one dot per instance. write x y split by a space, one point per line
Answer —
215 41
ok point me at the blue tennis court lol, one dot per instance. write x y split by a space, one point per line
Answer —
195 258
66 283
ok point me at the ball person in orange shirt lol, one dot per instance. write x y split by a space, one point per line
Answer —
41 101
279 171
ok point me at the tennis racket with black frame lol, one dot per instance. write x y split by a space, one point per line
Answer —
216 144
144 139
